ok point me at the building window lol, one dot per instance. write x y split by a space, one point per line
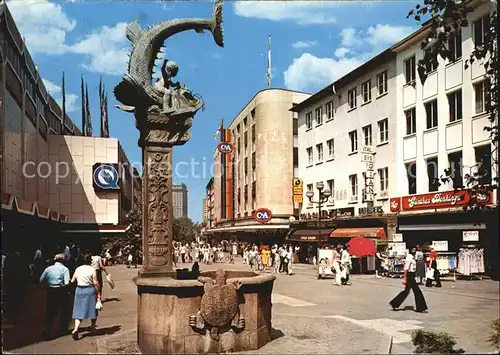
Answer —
409 66
455 105
383 175
309 123
295 128
319 115
455 45
329 110
456 172
431 112
433 174
253 133
483 162
352 97
481 28
353 183
411 175
367 134
310 156
319 152
330 184
411 121
331 148
295 157
383 130
366 91
353 136
382 83
480 96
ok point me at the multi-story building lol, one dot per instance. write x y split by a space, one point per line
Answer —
339 128
258 172
210 204
47 165
180 200
416 130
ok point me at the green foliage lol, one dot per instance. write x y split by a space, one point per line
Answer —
494 338
434 343
446 17
185 230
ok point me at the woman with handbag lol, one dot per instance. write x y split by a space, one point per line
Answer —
99 267
87 295
433 270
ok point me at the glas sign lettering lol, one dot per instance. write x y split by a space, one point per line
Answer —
225 147
262 215
436 199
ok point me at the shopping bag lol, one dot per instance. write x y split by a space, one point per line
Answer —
430 274
110 281
98 305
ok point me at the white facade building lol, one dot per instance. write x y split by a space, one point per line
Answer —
336 123
441 123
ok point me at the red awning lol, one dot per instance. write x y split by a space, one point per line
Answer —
372 232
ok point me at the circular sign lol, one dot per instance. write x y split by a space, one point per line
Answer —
106 177
262 215
225 147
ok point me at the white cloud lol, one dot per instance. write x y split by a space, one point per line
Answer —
309 73
341 52
43 24
106 48
303 13
56 92
304 44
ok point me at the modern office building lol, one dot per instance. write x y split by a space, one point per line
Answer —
180 200
258 172
48 166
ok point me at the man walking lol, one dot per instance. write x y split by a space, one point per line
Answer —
410 284
56 279
336 266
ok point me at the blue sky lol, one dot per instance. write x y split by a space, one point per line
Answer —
313 43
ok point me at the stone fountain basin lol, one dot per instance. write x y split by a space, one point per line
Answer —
166 303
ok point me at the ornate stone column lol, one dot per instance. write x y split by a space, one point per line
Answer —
157 138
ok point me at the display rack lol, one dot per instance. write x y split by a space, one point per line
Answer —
395 266
450 272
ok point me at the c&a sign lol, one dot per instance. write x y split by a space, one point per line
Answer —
262 215
447 199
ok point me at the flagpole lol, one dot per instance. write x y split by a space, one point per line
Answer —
269 75
89 117
101 113
63 98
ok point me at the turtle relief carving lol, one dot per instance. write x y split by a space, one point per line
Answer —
219 306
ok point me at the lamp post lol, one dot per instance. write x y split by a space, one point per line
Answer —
323 197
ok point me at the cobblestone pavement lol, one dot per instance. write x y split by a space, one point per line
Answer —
313 316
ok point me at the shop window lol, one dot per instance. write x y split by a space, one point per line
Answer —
411 175
483 163
433 174
456 173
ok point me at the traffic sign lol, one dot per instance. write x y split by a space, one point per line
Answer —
298 190
297 182
367 158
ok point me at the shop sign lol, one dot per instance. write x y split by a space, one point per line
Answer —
308 237
105 176
298 190
398 247
225 147
440 245
333 213
364 210
297 182
298 199
262 215
470 236
397 237
395 204
440 200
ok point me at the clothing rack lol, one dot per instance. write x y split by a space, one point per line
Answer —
451 271
478 263
395 266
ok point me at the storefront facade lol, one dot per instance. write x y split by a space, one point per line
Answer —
438 219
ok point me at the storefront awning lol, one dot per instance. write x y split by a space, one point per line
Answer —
372 232
427 227
248 228
309 235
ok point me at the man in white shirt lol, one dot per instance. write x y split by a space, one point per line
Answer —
346 264
183 253
410 284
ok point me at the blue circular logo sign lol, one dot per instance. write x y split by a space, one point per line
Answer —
106 177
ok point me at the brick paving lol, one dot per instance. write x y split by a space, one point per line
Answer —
313 316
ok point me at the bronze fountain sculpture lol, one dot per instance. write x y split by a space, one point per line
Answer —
176 315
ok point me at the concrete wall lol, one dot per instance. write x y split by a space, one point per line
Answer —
343 162
75 195
448 137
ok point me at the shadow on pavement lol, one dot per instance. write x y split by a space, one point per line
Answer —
111 299
103 331
276 334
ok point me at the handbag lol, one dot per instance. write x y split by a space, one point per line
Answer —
429 274
110 281
98 305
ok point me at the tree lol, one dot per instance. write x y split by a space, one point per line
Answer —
132 236
185 230
444 18
427 342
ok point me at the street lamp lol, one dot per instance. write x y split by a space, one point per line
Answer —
323 197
